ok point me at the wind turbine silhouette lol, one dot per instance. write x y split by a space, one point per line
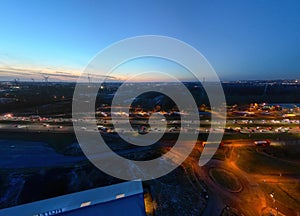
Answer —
89 78
16 81
46 78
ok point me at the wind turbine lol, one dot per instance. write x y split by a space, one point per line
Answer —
46 78
89 78
265 89
16 81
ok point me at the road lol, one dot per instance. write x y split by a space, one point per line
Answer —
267 126
252 200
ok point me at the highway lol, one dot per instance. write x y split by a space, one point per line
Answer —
174 126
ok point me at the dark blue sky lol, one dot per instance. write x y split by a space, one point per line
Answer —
241 39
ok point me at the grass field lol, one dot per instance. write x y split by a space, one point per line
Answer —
272 136
273 162
252 161
286 193
290 152
225 179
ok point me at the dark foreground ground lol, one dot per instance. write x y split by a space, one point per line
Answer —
239 180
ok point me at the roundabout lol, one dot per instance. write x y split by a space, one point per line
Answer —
226 180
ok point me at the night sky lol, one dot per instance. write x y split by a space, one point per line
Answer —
241 39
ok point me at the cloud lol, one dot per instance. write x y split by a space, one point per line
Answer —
10 73
38 74
16 72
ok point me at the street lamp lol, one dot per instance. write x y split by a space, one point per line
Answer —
272 195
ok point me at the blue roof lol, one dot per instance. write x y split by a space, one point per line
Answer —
120 199
129 206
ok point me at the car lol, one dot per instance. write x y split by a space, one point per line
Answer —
172 129
102 128
262 143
